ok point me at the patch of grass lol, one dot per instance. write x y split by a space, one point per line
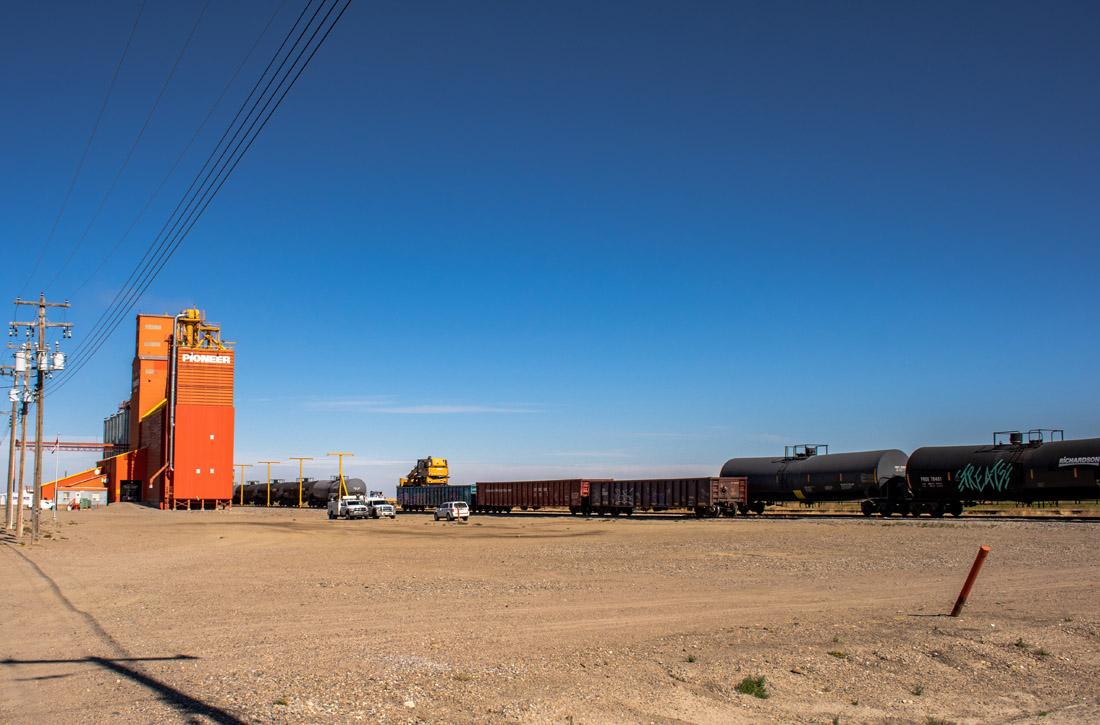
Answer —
753 686
691 658
836 719
1042 652
462 676
918 690
836 638
838 654
855 703
1043 713
280 701
1068 619
1022 644
938 721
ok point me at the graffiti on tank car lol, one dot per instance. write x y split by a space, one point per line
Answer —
981 478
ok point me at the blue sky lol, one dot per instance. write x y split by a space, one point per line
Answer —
577 238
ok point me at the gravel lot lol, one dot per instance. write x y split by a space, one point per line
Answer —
134 615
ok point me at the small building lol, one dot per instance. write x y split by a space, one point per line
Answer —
90 486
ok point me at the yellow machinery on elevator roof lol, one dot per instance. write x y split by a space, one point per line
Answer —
193 331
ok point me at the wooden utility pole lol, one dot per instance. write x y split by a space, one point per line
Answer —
22 471
268 479
300 477
242 466
9 507
44 363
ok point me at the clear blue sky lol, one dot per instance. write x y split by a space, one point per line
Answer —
585 238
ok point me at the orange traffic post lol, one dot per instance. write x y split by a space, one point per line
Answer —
982 553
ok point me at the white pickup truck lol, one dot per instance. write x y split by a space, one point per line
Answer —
348 507
381 507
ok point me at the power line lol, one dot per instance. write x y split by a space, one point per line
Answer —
155 248
194 208
183 153
133 146
87 146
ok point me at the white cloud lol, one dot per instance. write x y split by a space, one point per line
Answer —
591 454
381 405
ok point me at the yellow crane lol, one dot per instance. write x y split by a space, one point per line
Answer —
428 472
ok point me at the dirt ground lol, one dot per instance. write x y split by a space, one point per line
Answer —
134 615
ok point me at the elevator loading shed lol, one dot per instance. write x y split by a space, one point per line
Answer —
178 422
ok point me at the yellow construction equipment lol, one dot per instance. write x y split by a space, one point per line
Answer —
428 472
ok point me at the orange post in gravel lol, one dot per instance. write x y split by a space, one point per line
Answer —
982 553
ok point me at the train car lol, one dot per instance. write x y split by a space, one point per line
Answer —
713 496
322 491
503 496
944 479
423 498
805 474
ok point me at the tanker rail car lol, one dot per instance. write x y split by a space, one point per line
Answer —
278 492
807 474
1028 468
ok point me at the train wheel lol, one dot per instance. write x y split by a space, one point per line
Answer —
867 508
758 507
955 508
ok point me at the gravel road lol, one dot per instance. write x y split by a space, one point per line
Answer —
133 615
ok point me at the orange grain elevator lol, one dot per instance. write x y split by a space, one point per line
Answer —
178 422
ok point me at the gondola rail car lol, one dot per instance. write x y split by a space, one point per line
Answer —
707 496
503 496
427 498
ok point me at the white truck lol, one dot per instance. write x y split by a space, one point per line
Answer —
380 507
348 507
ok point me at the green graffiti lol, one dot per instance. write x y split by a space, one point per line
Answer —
978 479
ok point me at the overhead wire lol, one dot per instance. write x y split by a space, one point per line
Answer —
133 147
87 146
157 247
183 153
194 208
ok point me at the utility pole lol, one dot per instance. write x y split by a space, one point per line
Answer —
300 477
268 479
242 466
343 488
9 509
10 481
44 364
22 463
